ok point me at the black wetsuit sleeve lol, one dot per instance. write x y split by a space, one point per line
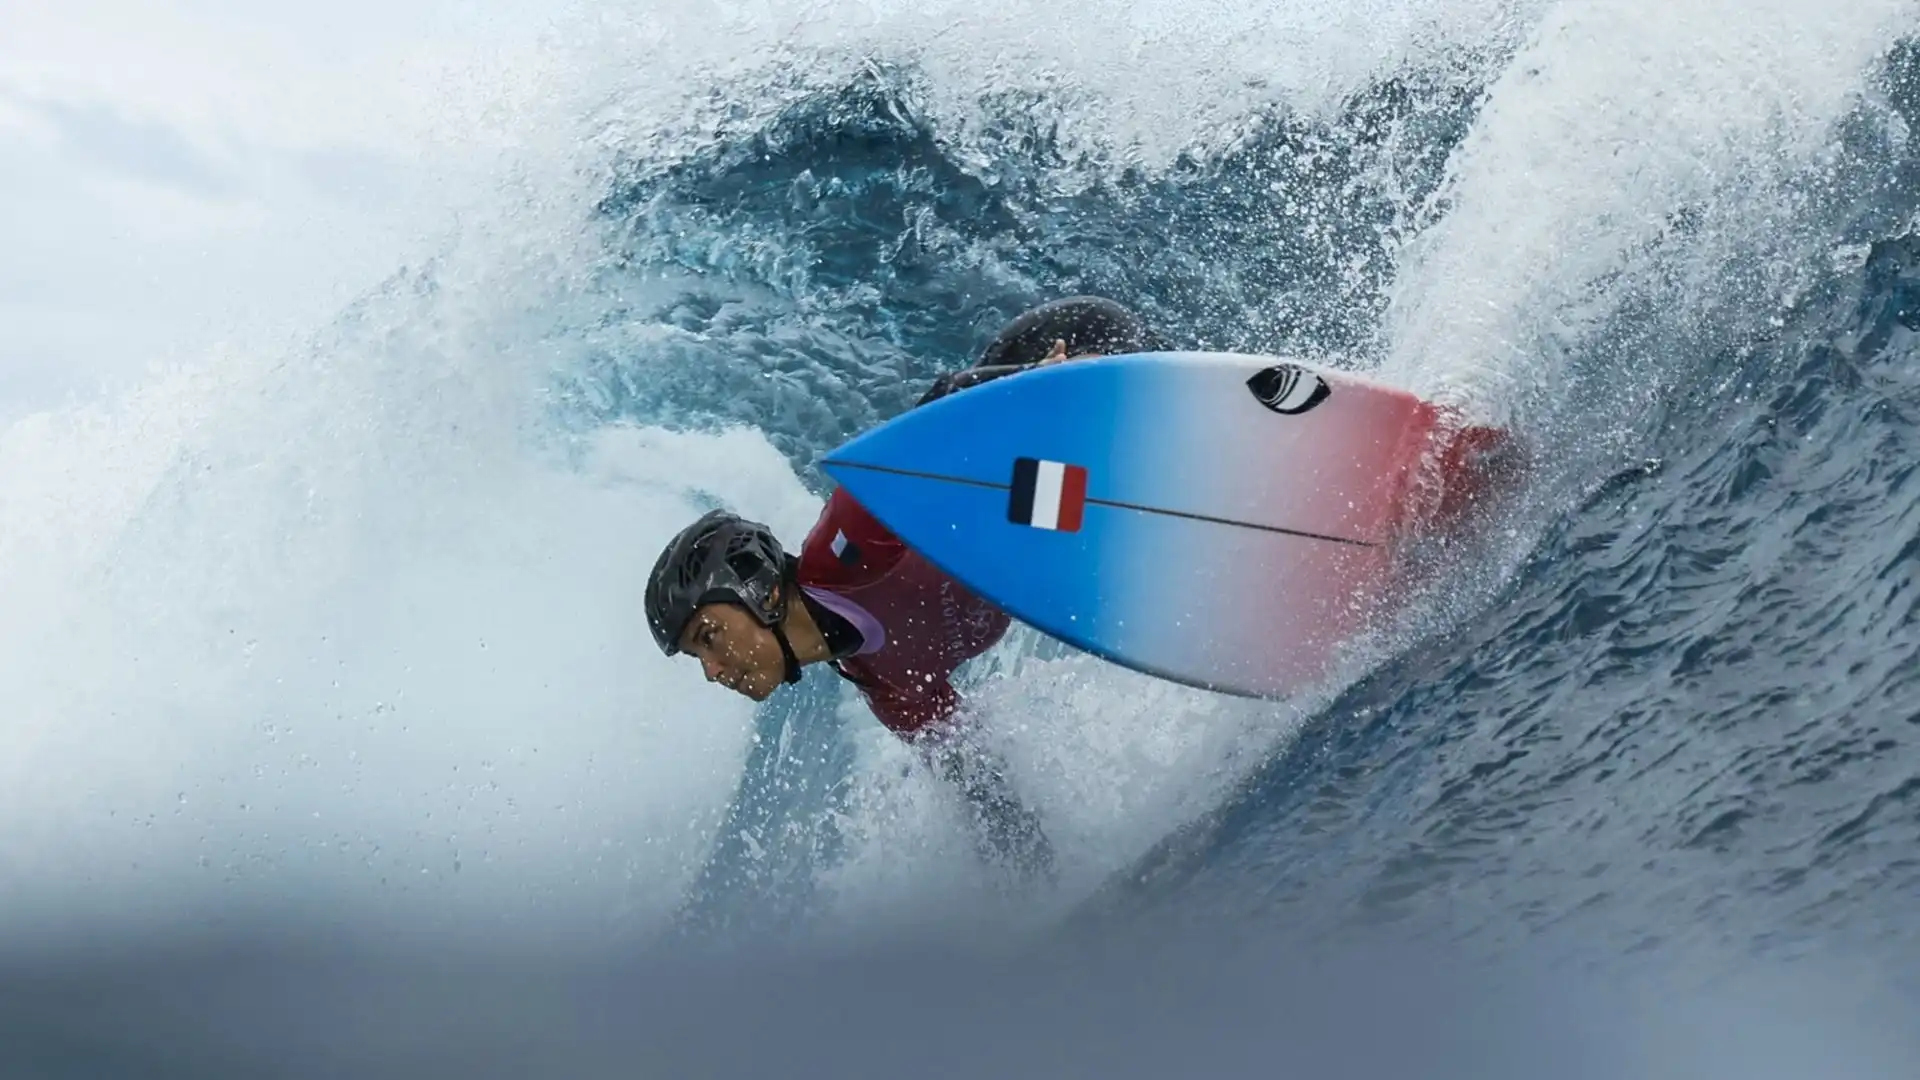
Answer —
1087 325
968 378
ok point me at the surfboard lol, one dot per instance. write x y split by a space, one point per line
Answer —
1223 520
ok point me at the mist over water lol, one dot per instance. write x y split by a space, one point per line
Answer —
328 702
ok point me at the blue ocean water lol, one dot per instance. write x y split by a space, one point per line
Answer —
1637 793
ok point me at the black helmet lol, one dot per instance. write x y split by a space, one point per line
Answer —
721 558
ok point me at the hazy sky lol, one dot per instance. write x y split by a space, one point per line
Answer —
179 177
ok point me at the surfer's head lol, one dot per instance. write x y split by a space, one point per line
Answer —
719 593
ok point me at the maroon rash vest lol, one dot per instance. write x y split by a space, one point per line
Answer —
916 624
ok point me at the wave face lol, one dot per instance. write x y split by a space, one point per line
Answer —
345 641
1687 716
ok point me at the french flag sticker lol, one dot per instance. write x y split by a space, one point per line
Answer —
1047 495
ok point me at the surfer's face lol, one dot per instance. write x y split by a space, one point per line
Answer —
735 650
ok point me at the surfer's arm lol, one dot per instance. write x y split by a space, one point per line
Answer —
974 376
968 378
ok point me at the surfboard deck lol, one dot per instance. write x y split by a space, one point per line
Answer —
1223 520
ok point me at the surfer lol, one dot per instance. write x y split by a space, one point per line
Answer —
855 598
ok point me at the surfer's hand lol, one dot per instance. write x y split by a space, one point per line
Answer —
1059 354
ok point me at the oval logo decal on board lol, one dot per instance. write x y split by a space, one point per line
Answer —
1288 389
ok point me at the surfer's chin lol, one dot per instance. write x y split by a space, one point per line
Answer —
757 690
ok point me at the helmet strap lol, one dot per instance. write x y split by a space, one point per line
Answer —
789 584
786 653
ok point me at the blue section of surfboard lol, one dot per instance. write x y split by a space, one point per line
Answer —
1222 520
